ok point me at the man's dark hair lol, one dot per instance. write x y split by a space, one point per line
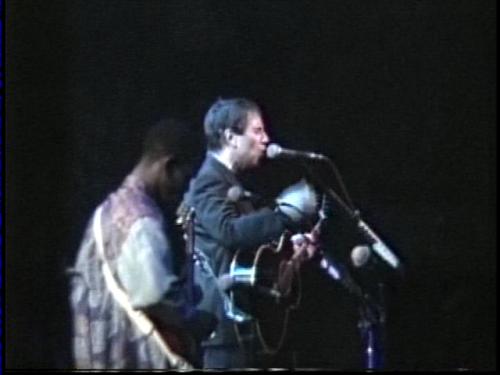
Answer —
170 136
227 114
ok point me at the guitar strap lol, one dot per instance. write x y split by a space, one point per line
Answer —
136 316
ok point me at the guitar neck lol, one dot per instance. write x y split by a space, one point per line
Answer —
188 226
341 275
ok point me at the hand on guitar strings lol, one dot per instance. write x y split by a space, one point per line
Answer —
305 245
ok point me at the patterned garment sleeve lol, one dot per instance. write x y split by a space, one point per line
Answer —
145 267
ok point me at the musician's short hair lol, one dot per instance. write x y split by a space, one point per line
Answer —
227 114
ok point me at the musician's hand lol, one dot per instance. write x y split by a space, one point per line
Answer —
304 246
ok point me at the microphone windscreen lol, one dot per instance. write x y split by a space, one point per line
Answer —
360 255
273 151
235 193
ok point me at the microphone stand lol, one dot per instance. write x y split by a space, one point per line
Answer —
378 245
372 329
372 314
371 323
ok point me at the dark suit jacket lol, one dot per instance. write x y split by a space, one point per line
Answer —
222 227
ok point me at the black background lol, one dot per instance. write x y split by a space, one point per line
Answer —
400 94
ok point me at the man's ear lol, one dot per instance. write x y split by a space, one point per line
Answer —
229 137
167 163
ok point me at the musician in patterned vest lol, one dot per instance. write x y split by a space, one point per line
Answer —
131 249
225 221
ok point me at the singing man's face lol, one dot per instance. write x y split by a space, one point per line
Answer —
251 145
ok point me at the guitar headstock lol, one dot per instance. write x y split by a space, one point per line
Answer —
185 215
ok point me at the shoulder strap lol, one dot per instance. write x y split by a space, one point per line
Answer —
136 316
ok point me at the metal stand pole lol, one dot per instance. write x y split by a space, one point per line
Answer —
372 312
372 329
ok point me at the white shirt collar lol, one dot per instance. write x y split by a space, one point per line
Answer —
224 162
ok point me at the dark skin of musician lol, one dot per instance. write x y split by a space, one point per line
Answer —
146 256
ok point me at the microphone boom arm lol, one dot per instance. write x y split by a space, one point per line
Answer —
378 246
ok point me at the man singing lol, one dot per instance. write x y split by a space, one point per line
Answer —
236 141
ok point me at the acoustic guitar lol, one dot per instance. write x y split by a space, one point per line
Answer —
266 286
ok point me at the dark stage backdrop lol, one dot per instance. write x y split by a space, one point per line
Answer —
400 94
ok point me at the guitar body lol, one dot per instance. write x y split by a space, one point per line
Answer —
267 287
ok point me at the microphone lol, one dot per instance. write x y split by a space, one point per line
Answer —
378 246
340 273
237 193
363 257
275 151
360 255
